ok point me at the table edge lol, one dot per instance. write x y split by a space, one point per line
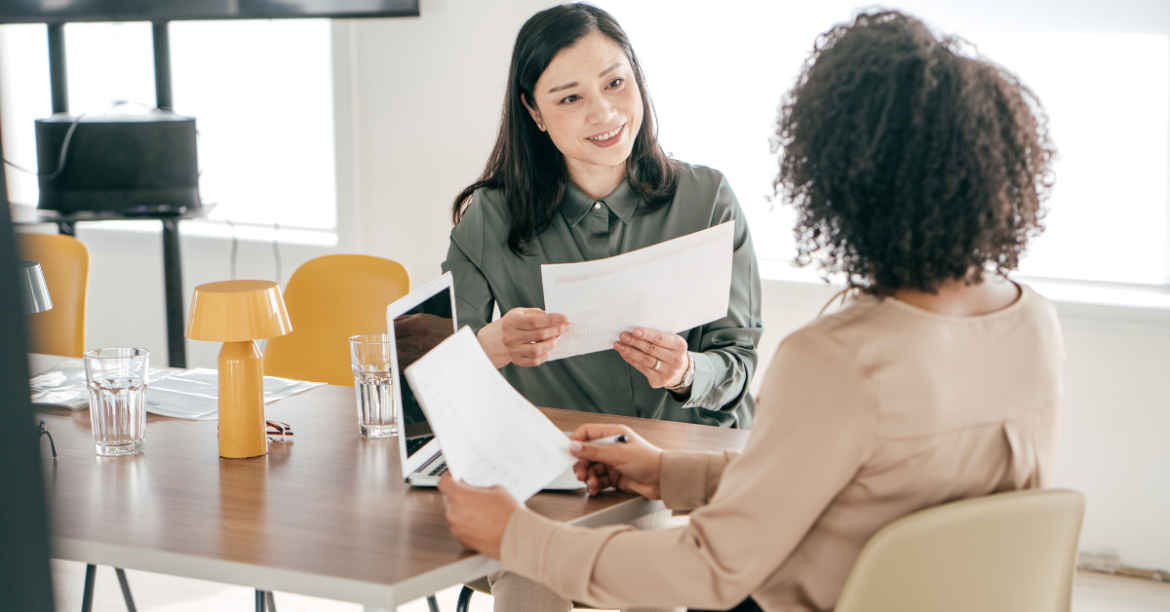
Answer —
370 594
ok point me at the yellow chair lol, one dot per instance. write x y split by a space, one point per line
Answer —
65 262
329 299
1009 552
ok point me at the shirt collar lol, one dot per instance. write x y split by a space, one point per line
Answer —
623 201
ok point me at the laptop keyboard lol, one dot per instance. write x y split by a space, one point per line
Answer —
440 470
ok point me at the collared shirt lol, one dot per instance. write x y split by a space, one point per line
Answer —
487 274
866 415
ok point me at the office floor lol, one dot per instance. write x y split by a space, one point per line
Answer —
159 593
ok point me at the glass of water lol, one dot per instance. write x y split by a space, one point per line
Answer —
116 379
370 357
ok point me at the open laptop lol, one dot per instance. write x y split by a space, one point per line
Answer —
417 323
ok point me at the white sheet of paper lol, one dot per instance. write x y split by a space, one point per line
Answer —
671 287
490 434
172 392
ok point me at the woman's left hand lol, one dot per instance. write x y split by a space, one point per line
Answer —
662 357
478 517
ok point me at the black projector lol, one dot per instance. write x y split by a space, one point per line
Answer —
129 164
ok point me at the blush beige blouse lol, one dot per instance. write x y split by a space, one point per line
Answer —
866 415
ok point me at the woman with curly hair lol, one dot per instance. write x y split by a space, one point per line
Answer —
919 174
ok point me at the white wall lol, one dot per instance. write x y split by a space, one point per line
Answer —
418 105
429 92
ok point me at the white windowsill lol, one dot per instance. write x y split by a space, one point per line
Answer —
203 228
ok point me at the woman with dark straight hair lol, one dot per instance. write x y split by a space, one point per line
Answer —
919 174
577 174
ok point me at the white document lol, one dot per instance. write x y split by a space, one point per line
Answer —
171 392
490 434
670 287
194 394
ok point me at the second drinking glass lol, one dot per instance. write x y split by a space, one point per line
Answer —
372 375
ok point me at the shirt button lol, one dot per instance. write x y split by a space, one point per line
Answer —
597 206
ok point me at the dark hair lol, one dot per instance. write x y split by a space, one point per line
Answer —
909 164
525 164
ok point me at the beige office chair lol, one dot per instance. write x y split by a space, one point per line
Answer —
1010 552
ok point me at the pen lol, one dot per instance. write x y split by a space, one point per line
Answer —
618 439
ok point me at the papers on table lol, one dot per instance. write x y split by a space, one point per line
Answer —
183 394
60 381
194 394
671 287
490 434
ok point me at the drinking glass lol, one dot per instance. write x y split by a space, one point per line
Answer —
116 379
370 358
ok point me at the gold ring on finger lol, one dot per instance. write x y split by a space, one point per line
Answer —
657 362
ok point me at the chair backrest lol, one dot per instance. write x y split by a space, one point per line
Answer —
329 299
1009 552
65 263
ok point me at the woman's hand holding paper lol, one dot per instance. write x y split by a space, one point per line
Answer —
662 357
523 336
631 466
478 517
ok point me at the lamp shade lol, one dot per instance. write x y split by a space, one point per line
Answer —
34 294
234 311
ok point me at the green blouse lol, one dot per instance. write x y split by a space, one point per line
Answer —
487 274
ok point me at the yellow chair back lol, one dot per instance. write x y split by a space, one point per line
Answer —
1009 552
329 299
65 262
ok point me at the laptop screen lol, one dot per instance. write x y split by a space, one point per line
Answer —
416 333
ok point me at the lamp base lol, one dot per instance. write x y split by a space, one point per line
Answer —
241 401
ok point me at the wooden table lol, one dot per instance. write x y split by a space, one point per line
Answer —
326 515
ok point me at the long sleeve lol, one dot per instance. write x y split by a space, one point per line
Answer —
473 294
688 479
726 357
816 426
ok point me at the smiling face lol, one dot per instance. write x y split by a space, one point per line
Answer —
589 103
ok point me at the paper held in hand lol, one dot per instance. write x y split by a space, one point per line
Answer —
490 434
670 287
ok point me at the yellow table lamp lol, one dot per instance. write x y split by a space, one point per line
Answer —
238 313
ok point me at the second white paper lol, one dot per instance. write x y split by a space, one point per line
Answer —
670 287
490 434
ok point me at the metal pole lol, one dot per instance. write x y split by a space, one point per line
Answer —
87 594
172 267
130 607
173 280
162 67
58 79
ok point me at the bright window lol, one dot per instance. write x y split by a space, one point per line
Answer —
261 93
717 73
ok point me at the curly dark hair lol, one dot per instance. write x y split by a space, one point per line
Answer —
910 164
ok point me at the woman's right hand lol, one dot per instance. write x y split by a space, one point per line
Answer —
632 466
523 336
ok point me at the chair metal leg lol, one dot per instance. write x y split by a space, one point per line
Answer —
87 594
259 600
271 599
432 603
464 603
125 589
